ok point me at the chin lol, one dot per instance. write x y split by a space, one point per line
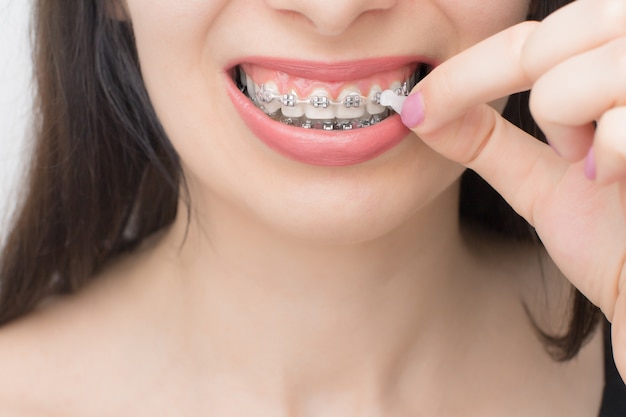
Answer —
343 215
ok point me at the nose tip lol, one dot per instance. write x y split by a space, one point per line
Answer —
331 17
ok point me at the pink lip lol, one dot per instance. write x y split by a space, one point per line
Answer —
319 147
337 71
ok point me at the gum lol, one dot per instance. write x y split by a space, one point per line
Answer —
304 87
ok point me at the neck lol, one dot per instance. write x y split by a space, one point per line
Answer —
310 317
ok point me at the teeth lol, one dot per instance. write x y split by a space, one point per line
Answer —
320 101
352 105
319 107
373 105
347 124
251 87
290 106
270 104
334 124
396 87
319 110
377 118
328 125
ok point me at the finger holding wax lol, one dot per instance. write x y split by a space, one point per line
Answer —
447 111
483 73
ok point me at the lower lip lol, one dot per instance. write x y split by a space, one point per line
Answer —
314 146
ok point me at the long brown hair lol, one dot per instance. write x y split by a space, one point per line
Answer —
104 175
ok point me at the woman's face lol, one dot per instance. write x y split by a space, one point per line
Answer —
311 63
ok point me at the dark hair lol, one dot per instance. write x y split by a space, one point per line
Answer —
104 176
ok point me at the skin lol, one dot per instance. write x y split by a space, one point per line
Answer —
580 222
309 291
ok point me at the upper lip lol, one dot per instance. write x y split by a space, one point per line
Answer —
335 71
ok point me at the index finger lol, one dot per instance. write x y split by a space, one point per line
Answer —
457 124
485 72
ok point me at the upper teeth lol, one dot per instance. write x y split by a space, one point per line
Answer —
265 94
349 110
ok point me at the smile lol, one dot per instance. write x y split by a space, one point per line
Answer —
329 106
325 114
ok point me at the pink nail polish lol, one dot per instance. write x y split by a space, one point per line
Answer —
590 165
413 110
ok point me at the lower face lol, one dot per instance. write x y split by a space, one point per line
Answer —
272 104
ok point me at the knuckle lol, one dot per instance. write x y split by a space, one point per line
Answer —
519 33
518 37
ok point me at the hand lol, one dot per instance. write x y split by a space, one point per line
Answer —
574 62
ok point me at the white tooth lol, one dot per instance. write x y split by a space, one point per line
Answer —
395 86
319 112
343 112
251 87
275 104
370 106
293 111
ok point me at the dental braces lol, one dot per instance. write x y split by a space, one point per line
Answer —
331 124
319 101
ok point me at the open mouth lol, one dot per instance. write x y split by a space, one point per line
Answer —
325 105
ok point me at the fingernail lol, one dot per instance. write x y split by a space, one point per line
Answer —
413 110
590 165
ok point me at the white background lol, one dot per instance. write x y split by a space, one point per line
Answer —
15 98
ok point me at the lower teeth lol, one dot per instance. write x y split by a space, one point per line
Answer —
327 124
331 124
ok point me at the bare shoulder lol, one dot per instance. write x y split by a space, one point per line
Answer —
38 358
74 350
